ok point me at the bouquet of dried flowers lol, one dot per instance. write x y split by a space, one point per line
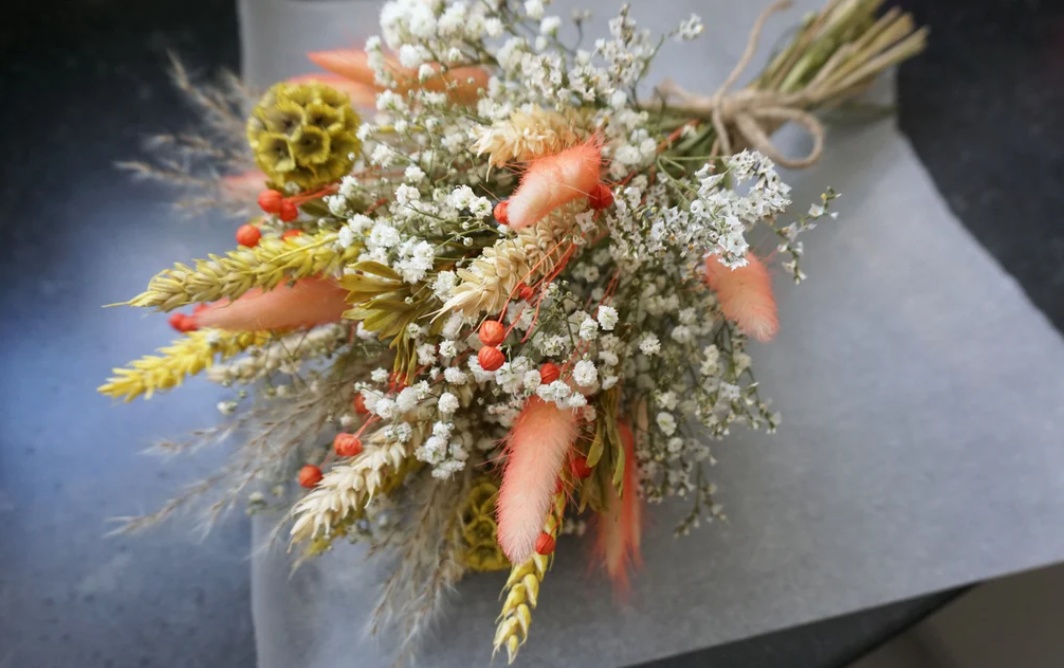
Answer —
506 292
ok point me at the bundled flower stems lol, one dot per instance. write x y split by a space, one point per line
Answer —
489 288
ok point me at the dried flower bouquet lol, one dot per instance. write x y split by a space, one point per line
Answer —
507 292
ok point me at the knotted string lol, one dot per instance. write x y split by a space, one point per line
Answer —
747 117
750 115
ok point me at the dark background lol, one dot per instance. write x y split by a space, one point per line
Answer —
84 81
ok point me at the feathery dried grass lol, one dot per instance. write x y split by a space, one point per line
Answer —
427 550
194 161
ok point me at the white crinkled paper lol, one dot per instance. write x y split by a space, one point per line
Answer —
921 445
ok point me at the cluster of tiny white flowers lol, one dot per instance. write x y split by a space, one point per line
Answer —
626 318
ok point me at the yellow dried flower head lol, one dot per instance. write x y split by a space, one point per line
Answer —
479 530
304 134
529 134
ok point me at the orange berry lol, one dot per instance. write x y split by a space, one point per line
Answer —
549 372
360 404
347 445
182 322
310 476
501 212
601 197
288 234
525 292
579 467
492 333
270 200
288 211
544 543
248 235
490 358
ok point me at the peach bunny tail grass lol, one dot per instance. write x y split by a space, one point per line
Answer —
310 302
362 96
745 295
535 453
351 64
620 527
554 180
244 186
462 84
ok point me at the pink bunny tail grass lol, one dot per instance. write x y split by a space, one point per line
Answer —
554 180
535 454
309 302
620 528
244 186
351 64
462 84
362 96
745 295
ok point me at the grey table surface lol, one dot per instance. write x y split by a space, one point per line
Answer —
921 444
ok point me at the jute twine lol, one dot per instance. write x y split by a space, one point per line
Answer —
746 118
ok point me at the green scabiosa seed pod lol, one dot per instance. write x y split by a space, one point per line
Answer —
304 134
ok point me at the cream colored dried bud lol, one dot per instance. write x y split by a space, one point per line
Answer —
529 134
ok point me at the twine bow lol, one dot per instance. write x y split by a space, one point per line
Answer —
747 117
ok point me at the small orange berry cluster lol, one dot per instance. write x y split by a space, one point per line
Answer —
492 333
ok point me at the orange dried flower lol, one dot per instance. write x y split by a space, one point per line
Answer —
492 333
579 467
270 200
490 358
501 212
545 543
248 235
360 404
347 445
310 476
549 372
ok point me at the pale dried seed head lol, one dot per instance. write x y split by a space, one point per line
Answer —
530 134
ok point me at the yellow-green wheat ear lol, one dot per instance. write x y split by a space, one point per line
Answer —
304 134
522 589
185 357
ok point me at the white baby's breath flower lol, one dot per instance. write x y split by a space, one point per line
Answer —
607 317
650 345
588 330
666 423
584 373
690 29
426 353
346 236
410 56
455 376
534 9
448 403
549 25
414 174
